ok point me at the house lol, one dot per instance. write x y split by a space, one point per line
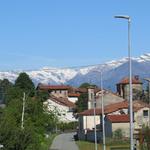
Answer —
61 101
114 122
116 116
61 107
123 87
86 118
95 94
141 114
55 90
60 91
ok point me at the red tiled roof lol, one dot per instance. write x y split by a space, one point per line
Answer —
118 118
53 87
135 80
116 106
73 94
108 109
90 112
62 101
137 105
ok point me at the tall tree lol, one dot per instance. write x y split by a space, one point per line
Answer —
25 83
5 85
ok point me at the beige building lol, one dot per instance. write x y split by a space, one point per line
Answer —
115 122
96 95
141 114
86 118
117 117
123 87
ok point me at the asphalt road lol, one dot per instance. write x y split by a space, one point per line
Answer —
64 142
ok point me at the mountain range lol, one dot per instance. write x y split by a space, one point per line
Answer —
112 73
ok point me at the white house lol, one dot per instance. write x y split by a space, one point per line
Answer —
62 108
61 100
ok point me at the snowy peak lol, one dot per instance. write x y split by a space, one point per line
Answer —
143 58
49 75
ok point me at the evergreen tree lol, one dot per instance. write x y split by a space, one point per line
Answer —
82 103
25 83
5 85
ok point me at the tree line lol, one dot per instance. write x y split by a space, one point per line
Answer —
37 122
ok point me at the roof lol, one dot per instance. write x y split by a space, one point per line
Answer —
73 94
108 109
90 112
53 87
118 118
135 80
116 106
137 105
62 101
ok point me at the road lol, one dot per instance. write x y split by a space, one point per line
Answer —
64 142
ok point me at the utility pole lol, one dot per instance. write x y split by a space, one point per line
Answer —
23 109
103 114
95 132
130 80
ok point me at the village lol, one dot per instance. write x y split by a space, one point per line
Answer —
63 99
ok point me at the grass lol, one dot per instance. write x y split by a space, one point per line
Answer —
45 145
84 145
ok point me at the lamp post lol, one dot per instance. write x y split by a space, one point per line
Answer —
102 107
103 121
130 79
95 132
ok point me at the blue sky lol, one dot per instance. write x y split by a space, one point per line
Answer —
65 33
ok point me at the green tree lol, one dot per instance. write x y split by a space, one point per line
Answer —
146 137
37 121
85 85
82 103
25 83
118 134
5 85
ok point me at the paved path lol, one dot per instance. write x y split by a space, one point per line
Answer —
64 142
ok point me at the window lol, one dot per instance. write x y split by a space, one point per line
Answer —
145 113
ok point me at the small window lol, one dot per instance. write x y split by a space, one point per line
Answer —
145 113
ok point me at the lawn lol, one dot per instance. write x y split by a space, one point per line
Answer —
83 145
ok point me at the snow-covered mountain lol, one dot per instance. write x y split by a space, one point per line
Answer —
113 71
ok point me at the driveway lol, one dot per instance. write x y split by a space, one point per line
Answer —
64 142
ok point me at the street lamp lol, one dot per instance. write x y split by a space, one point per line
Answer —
130 80
102 107
95 132
103 115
